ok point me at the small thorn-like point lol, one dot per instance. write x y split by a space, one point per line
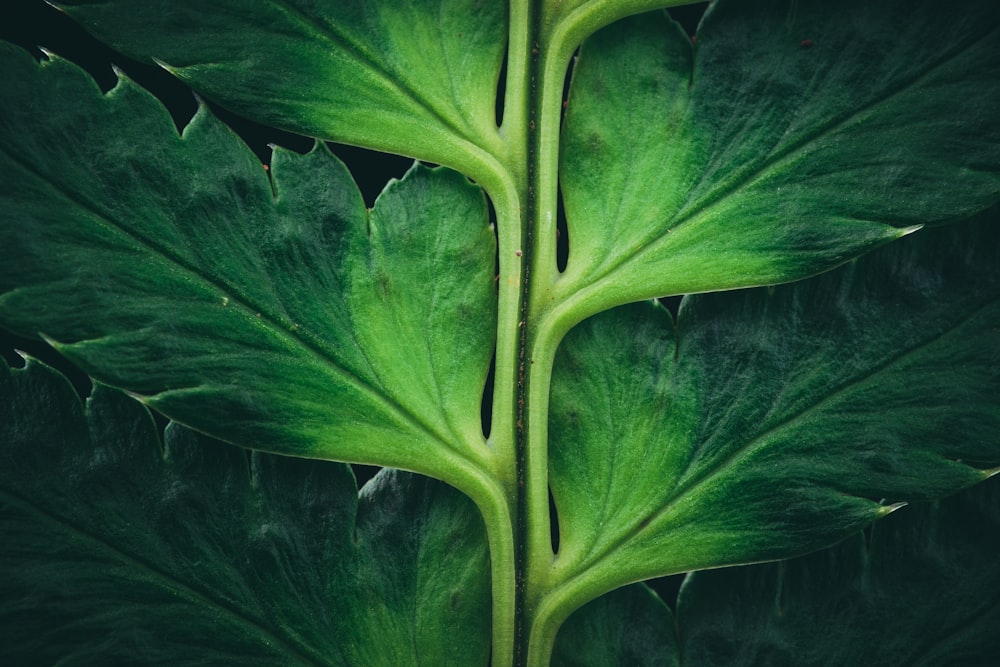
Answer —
990 472
906 231
889 509
52 342
167 66
145 399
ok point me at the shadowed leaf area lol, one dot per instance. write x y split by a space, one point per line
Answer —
118 549
920 588
923 591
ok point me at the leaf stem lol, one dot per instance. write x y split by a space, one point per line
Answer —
540 46
513 214
553 40
493 503
501 522
543 333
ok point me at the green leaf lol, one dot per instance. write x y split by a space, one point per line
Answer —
415 77
780 418
569 22
788 139
277 315
629 627
922 591
118 550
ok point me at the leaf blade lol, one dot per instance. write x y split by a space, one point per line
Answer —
409 78
182 276
777 147
760 435
917 592
120 549
630 626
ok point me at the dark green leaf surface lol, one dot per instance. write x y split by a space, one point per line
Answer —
119 551
780 417
925 592
274 314
415 77
629 627
790 138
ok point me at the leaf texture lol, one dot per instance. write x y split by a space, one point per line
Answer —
776 421
274 314
118 549
789 138
922 590
627 627
415 77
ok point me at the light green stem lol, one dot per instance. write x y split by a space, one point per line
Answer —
495 508
530 324
501 525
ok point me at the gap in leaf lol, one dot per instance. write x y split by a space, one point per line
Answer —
364 473
486 407
689 16
261 138
41 351
372 170
553 523
501 95
562 229
667 588
36 25
562 234
567 84
672 304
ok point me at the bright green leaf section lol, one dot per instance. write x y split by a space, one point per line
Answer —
629 627
775 420
274 314
119 550
569 22
922 593
790 138
415 77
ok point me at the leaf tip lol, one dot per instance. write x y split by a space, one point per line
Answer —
167 66
886 510
51 342
906 231
145 400
989 472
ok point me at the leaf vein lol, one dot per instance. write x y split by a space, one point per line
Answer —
686 487
694 211
276 325
357 49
